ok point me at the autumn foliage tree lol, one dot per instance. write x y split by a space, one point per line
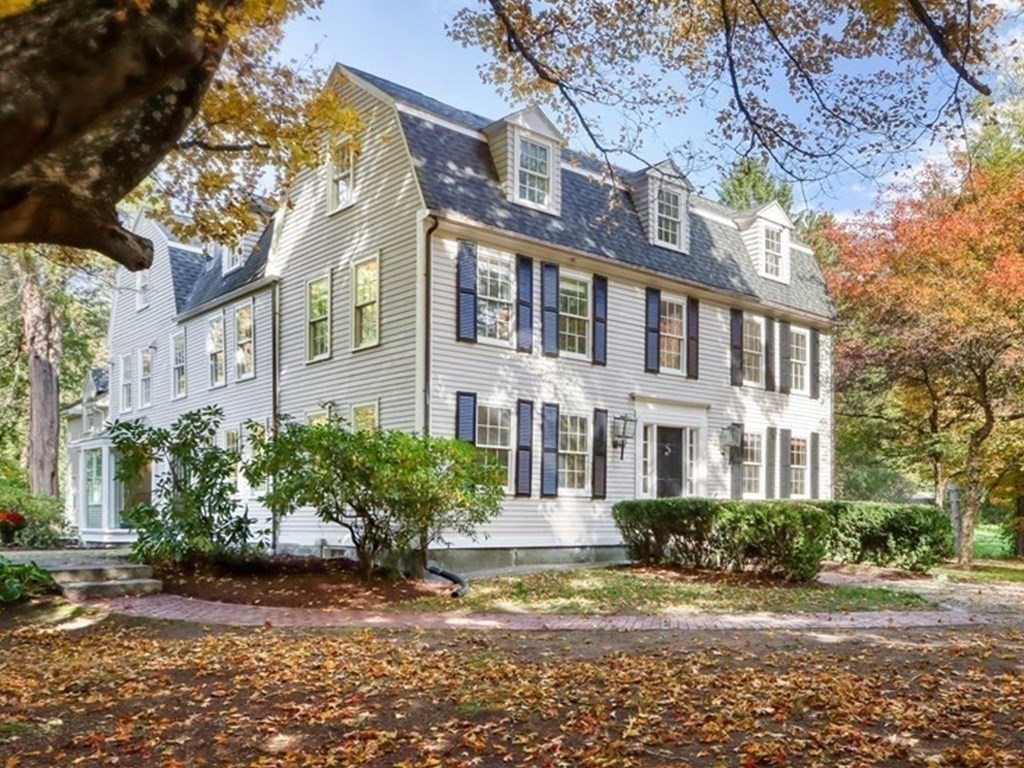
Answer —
931 293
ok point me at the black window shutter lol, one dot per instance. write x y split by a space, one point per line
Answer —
813 460
549 300
524 447
785 346
770 449
599 474
549 450
785 469
692 339
466 279
600 351
524 304
652 322
736 327
736 469
769 354
815 364
465 416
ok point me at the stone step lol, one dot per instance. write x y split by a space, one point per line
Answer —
68 574
90 590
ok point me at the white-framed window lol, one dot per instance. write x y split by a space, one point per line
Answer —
668 223
647 460
573 315
753 350
573 452
127 375
691 462
366 302
797 467
533 169
141 289
672 335
341 192
313 418
365 416
145 377
318 319
232 257
773 251
752 464
494 436
799 345
215 354
179 379
495 295
245 345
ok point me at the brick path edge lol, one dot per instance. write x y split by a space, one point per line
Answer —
179 608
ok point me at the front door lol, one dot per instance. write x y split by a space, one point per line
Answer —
669 450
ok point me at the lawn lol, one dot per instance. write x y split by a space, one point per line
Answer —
989 543
98 691
988 571
631 590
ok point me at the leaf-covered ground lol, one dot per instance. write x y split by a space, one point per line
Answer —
164 695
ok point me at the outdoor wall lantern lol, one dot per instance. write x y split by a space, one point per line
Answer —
730 441
623 430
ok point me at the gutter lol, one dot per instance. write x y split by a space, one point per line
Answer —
428 257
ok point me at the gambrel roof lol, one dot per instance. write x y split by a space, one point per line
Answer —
456 173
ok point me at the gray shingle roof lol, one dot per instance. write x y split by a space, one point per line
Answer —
203 286
456 175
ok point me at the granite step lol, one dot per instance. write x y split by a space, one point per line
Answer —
92 590
69 574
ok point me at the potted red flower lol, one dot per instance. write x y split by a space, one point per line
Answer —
11 521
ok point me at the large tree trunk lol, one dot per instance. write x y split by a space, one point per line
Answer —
44 347
1018 530
972 497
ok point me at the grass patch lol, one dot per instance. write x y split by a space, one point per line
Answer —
988 572
989 543
661 591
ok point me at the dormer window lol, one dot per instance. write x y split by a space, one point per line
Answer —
341 191
668 224
534 185
773 252
232 258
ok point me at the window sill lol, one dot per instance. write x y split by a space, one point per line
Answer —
217 386
677 247
363 347
497 343
182 396
573 356
672 372
248 377
313 360
548 209
574 493
339 208
753 384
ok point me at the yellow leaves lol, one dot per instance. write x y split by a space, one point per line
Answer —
12 7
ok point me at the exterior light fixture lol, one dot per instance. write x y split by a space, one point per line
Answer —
623 430
731 441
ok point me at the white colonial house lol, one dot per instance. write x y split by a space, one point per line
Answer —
604 338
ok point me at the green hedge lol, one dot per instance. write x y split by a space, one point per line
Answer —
785 538
910 536
778 538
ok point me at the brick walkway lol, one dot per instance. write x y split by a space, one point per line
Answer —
180 608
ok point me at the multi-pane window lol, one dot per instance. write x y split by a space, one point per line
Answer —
647 460
672 336
573 315
93 488
797 467
495 294
318 317
690 465
668 223
573 451
343 168
145 376
753 350
798 361
178 377
752 461
233 444
364 417
142 289
773 251
494 436
127 375
232 257
365 315
245 351
534 172
215 354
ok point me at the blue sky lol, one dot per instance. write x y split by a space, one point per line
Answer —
405 41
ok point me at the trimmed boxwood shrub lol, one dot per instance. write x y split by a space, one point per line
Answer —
788 538
910 536
779 538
